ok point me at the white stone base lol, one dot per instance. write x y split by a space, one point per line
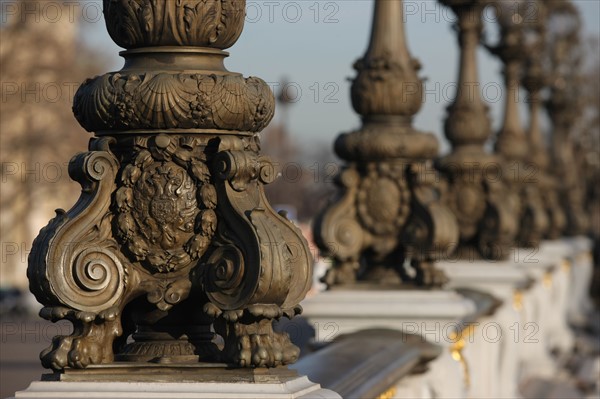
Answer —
431 314
577 252
300 387
444 379
580 304
521 343
500 279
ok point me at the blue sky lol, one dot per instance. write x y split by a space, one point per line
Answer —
314 44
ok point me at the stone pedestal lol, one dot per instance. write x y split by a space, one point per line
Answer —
550 268
300 387
174 381
541 290
582 270
432 314
500 333
437 316
499 278
540 315
574 256
150 381
484 355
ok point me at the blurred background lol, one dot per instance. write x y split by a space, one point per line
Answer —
305 51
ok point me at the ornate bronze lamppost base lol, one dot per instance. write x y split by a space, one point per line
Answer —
387 224
512 143
474 190
172 242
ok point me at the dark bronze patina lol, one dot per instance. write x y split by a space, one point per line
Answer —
535 79
172 234
387 220
475 193
520 175
564 107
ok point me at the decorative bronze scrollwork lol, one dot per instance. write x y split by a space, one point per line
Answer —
387 223
172 233
474 193
522 190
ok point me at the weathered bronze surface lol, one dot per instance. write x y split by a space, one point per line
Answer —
475 193
172 234
521 193
387 223
564 107
150 372
535 79
367 363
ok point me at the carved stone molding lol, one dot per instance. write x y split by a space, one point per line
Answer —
387 224
474 194
172 240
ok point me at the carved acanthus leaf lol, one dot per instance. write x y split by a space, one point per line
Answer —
144 23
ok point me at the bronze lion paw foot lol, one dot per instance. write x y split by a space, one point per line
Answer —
263 350
249 337
91 340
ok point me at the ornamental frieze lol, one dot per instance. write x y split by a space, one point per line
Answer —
124 101
147 23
